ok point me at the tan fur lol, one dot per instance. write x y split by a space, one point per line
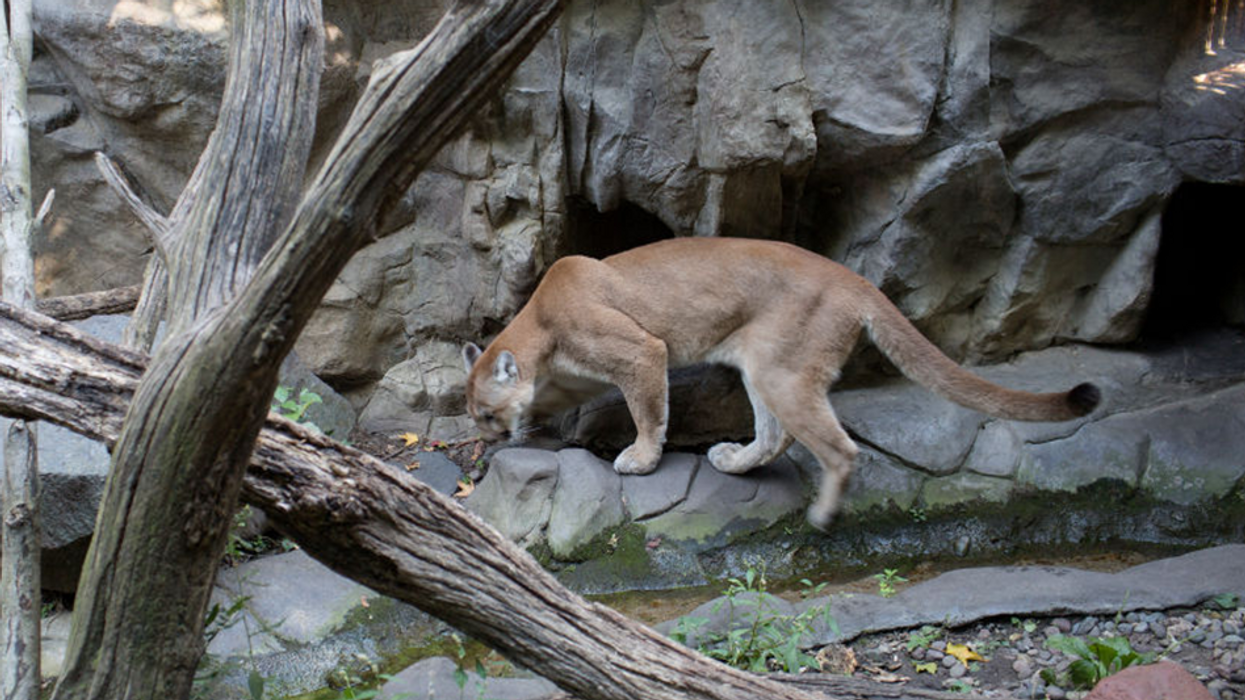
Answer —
785 317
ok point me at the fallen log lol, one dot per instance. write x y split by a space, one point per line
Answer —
374 523
79 306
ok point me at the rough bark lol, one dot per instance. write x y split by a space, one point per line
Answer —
190 428
19 568
374 523
174 478
19 582
80 306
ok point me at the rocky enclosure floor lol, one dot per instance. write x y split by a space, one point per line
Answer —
1206 641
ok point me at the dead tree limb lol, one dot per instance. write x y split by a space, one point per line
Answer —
79 306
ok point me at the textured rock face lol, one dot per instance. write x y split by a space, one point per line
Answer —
1001 168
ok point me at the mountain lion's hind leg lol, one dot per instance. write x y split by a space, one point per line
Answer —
769 442
804 410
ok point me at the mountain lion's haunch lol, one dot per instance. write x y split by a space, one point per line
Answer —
785 317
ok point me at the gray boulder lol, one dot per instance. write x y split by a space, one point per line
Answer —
435 678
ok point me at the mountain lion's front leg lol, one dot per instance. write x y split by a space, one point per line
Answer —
646 396
644 386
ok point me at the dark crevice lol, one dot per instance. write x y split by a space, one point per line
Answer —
601 234
1199 276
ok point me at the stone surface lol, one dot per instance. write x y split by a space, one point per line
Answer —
589 504
1160 680
1001 176
434 678
1003 591
517 495
298 623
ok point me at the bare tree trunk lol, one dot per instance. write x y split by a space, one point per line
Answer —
19 578
373 523
19 584
179 458
172 487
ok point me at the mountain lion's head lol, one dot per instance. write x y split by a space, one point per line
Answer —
497 395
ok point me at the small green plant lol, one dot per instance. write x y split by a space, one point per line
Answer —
1227 601
768 640
285 405
1029 626
922 638
460 673
1096 658
887 580
959 685
918 515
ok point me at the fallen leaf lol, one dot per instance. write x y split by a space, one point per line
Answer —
413 466
931 668
963 653
409 439
363 600
465 487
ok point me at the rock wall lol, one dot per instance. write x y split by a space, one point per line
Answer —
999 167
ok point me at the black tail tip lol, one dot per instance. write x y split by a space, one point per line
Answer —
1084 398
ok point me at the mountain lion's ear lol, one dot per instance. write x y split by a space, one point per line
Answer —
471 353
506 369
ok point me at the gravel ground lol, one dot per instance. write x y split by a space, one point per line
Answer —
1206 641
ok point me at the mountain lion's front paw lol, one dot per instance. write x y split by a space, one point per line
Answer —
725 457
637 460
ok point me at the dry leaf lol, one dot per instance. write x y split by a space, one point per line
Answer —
413 466
963 653
931 668
409 439
363 600
465 487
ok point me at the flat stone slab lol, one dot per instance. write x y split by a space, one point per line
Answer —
965 596
969 595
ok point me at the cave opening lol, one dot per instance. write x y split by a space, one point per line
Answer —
600 234
1199 275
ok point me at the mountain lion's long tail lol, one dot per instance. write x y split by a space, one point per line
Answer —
922 361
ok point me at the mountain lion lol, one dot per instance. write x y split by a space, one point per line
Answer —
785 317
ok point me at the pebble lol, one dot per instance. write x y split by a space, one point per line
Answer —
1125 628
918 653
1158 630
950 662
1084 626
1063 624
934 655
1023 667
958 671
1232 640
1054 692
